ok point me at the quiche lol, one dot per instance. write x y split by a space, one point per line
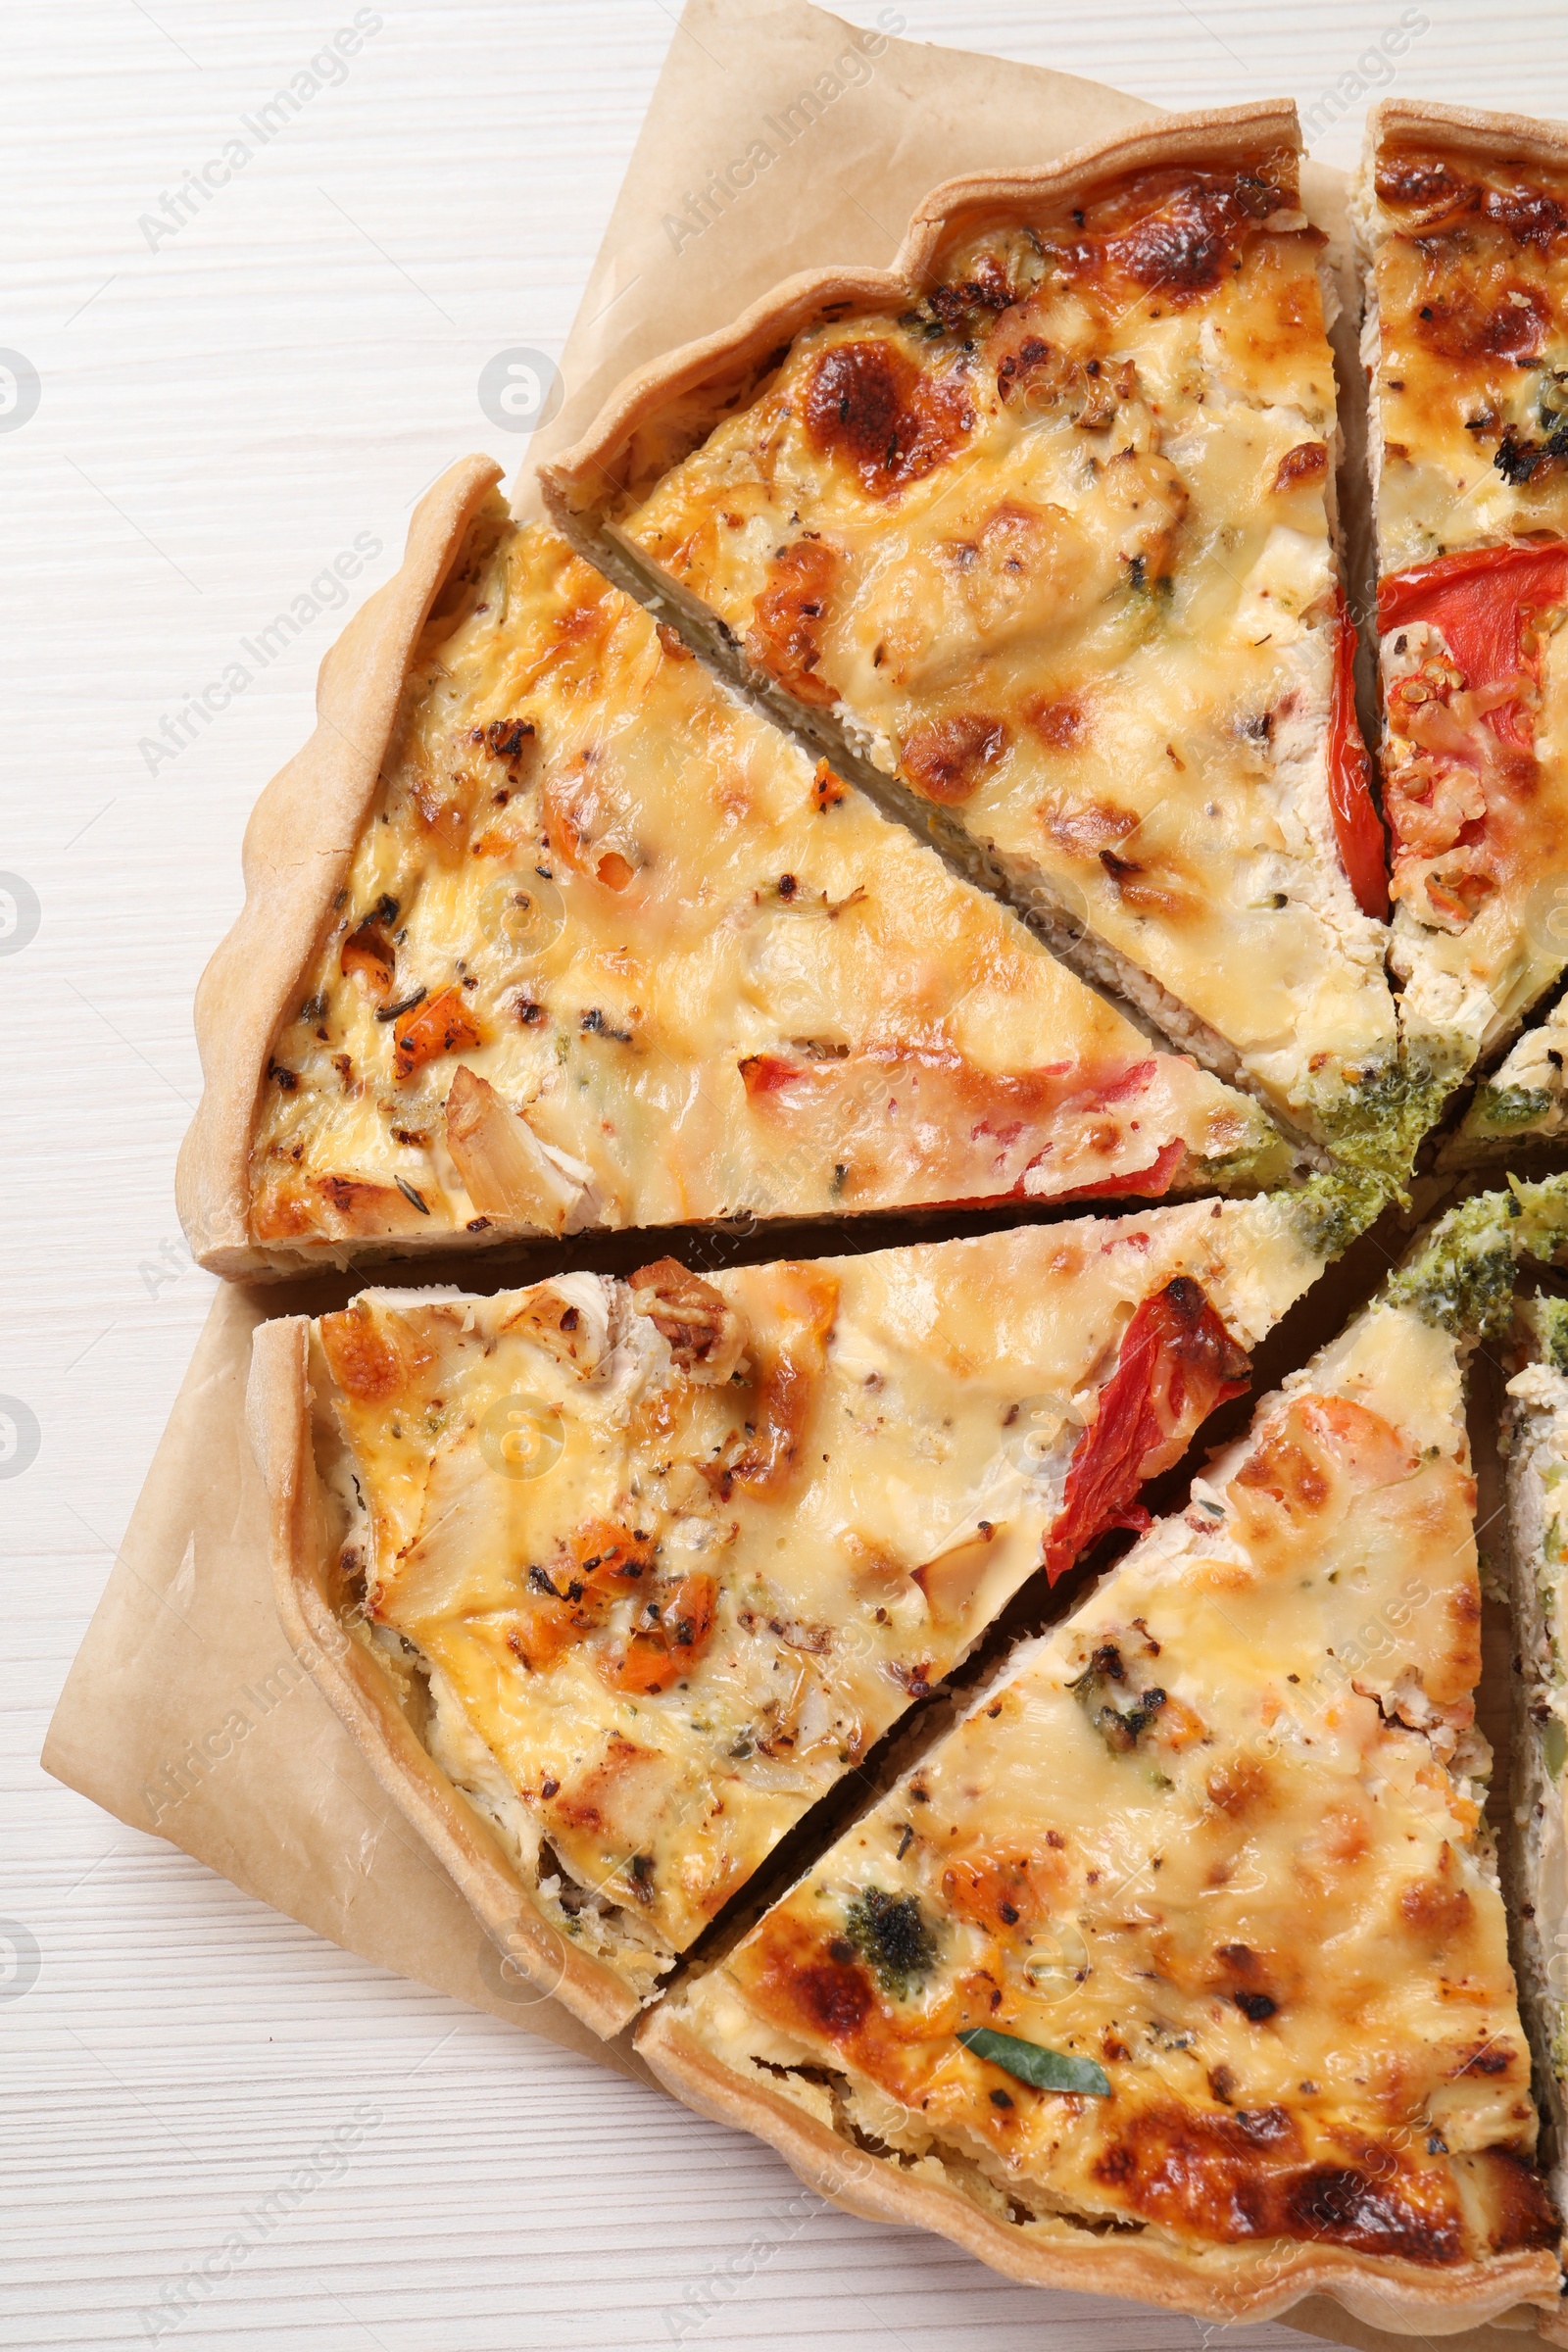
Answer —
1466 345
613 1580
1036 532
1523 1100
1537 1531
607 949
1179 1966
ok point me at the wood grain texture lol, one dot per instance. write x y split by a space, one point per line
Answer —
221 415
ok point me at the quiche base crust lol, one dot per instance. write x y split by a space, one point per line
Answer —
298 846
278 1423
578 482
1223 2285
1471 128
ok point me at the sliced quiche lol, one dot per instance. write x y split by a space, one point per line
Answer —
1037 530
1538 1530
1179 1966
1466 345
1525 1100
613 1580
609 949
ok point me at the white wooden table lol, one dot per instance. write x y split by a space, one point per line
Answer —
226 403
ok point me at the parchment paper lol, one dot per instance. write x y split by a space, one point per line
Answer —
779 138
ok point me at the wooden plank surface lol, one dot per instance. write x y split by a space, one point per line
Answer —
227 403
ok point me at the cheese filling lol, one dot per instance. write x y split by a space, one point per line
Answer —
1191 1927
1053 552
611 950
669 1558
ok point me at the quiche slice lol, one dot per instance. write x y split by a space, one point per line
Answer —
1179 1966
593 944
1036 530
1466 344
1525 1100
613 1580
1537 1531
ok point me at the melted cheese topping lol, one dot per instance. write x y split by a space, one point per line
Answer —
662 1599
1215 1834
1468 342
687 974
1055 550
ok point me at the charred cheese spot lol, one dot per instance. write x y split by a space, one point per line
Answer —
1174 233
1436 1911
1058 724
835 1997
1501 320
868 402
1307 461
1241 1787
1522 2213
1287 1473
945 757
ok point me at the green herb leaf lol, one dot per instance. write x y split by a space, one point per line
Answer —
1028 2062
